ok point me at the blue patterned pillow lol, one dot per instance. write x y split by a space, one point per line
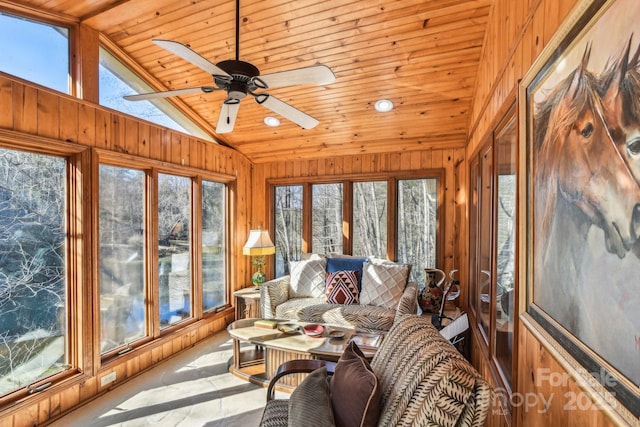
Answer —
347 263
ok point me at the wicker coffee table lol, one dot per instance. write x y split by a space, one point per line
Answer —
272 347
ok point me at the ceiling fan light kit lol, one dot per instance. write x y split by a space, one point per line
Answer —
239 79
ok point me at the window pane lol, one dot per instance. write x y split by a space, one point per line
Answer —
213 249
174 249
486 232
33 301
326 218
35 51
122 257
370 219
116 81
417 209
288 214
506 234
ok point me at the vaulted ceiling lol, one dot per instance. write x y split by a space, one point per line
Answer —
421 54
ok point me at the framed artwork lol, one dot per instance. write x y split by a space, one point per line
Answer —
581 152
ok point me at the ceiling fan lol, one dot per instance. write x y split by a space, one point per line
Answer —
239 79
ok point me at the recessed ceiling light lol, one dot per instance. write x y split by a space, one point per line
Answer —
271 121
383 105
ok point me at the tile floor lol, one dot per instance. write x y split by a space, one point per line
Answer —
192 389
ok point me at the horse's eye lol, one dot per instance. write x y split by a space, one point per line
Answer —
633 147
587 130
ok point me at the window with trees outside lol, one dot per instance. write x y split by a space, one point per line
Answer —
144 293
370 218
33 274
288 219
214 219
122 256
174 244
326 218
35 51
363 231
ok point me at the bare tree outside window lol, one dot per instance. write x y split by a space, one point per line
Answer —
326 218
213 245
122 257
33 285
288 215
417 208
174 248
370 219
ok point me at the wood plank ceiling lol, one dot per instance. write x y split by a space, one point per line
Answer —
421 54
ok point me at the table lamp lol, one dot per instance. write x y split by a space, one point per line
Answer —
258 245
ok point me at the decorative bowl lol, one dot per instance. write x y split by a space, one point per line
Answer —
313 330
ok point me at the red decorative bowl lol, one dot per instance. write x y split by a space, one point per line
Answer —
313 330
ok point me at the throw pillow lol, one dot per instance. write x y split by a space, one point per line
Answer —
355 391
310 402
343 262
383 261
307 278
342 287
383 285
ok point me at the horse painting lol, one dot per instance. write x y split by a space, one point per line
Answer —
586 202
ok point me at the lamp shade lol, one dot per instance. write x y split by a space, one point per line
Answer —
259 243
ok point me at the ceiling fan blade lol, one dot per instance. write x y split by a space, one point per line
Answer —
166 93
316 74
287 111
189 55
227 117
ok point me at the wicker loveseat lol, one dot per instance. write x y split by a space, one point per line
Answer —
276 303
420 378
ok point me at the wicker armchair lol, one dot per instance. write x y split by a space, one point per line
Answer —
423 381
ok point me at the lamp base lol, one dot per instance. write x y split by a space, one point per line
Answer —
258 278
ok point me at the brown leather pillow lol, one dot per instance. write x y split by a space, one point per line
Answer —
355 391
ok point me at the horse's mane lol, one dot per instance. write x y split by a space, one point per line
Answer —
553 120
630 84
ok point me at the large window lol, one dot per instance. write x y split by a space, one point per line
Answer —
288 219
370 219
146 292
359 225
174 244
122 256
214 218
35 51
417 225
326 218
33 274
116 81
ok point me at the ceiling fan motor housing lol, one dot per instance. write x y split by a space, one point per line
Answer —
242 74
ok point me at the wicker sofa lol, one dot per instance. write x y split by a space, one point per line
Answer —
276 303
416 378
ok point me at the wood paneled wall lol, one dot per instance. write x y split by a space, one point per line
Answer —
451 160
30 111
517 33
